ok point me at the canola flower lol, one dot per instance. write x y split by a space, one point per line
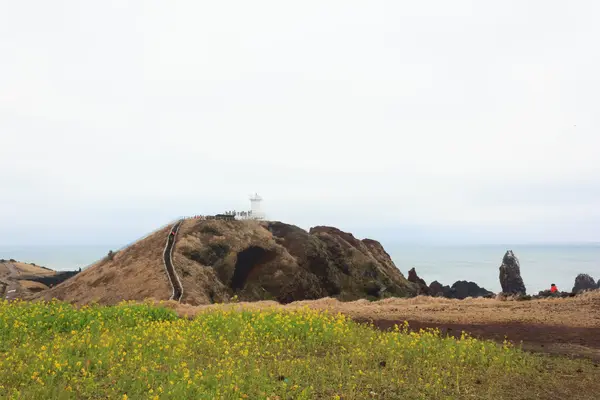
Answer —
142 351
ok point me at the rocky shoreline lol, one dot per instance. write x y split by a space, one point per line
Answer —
218 260
510 280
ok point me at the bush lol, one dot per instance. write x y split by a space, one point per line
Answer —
210 230
209 255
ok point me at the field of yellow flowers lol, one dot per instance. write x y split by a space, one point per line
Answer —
142 351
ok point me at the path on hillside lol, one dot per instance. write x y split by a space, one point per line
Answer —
168 261
11 284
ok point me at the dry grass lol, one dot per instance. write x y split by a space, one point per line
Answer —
580 311
568 326
33 286
4 271
28 269
135 273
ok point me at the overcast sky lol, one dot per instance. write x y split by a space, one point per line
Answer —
470 121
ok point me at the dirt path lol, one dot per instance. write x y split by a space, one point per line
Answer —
168 261
11 284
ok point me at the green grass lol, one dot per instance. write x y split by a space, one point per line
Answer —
139 351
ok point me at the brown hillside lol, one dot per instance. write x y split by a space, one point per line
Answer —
134 273
217 259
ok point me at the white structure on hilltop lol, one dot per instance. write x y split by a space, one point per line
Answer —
255 210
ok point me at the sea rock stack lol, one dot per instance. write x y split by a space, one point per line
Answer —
414 278
510 275
584 282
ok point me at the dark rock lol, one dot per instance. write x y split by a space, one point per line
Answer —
463 289
436 289
51 280
547 293
414 278
459 290
276 261
510 275
584 282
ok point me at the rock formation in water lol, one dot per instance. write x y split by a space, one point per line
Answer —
510 275
584 282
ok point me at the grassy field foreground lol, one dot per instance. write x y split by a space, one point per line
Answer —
140 351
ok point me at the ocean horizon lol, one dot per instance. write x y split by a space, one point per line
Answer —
541 264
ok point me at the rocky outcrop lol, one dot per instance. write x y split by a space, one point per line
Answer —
547 293
464 289
584 282
423 289
436 289
51 280
510 275
277 261
459 290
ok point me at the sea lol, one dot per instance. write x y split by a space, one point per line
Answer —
541 265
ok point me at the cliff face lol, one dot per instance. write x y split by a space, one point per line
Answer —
277 261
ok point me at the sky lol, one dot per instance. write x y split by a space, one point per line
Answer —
463 121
